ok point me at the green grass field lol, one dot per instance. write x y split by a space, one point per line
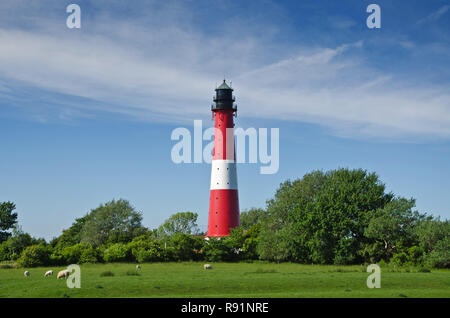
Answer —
225 280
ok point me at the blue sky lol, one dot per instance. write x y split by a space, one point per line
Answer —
86 115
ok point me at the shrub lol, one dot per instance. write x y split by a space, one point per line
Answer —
72 254
400 259
145 249
35 255
89 255
382 263
118 252
217 249
439 257
183 247
415 254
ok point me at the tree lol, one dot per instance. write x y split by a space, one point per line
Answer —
321 218
115 219
251 217
72 235
182 222
7 219
393 226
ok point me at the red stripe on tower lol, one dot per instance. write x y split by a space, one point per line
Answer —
223 200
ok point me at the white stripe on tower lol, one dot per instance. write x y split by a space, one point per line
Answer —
223 175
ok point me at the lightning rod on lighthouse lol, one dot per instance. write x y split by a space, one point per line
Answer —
223 200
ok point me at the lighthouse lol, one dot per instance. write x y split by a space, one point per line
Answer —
223 199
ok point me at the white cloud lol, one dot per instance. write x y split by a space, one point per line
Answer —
153 71
436 15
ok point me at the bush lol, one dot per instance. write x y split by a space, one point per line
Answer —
72 254
150 255
400 259
217 249
439 257
35 255
118 252
382 263
145 249
183 247
415 254
89 255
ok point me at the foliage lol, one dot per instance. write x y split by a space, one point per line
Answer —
90 255
185 247
12 248
8 219
118 252
217 250
34 255
440 255
251 217
72 235
72 254
321 218
393 226
115 219
182 222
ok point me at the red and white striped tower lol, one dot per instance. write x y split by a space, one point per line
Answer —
223 201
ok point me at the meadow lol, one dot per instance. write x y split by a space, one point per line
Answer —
227 280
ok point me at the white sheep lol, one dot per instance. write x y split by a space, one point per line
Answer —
63 274
207 266
138 267
26 274
48 273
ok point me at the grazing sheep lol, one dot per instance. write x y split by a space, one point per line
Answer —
48 273
63 274
138 266
207 266
26 274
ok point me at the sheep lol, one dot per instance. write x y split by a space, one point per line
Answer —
48 273
207 266
138 267
64 273
26 274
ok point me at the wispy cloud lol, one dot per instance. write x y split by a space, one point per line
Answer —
436 15
152 71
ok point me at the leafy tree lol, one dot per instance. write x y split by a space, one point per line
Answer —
393 226
12 248
113 219
430 231
72 235
251 217
182 222
321 218
7 219
185 247
440 255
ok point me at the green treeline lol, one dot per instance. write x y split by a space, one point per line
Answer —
337 217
